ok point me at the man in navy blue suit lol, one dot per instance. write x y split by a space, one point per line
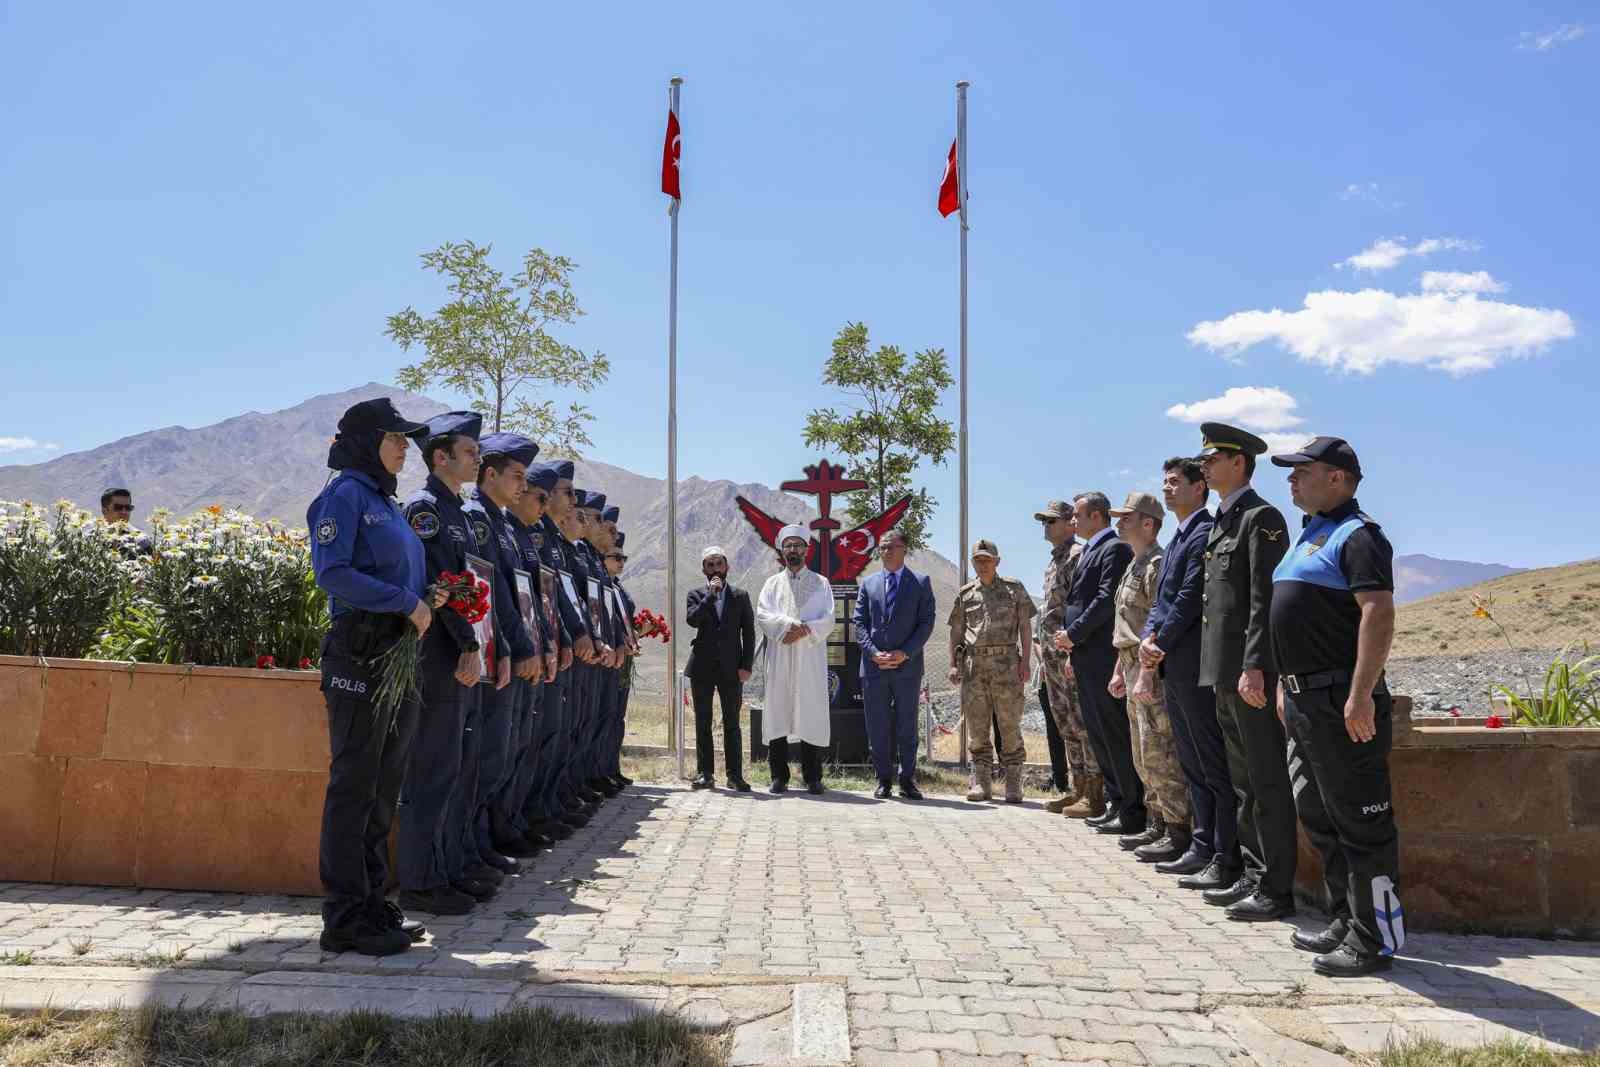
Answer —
894 616
1172 644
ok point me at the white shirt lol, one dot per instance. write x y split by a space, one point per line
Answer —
1231 499
1186 522
1109 531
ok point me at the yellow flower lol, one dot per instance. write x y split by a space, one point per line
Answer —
1480 613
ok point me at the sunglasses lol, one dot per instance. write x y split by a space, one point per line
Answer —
619 557
1052 522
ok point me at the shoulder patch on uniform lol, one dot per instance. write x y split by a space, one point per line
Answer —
480 531
327 530
1271 535
426 524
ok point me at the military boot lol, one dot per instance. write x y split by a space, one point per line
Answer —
1066 799
982 787
1014 784
1091 802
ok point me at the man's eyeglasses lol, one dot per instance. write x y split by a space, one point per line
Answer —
618 556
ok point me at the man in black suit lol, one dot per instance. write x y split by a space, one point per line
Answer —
1248 538
1172 645
720 656
1086 633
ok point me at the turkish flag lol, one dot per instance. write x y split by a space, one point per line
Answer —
950 187
669 158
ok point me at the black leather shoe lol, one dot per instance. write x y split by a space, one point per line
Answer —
884 791
573 819
703 781
1160 851
1129 842
441 901
589 797
366 937
517 848
605 786
909 790
780 786
1191 862
1242 887
394 919
502 863
816 789
739 785
1215 875
479 891
1104 817
1112 825
1346 962
554 829
539 838
1320 941
482 872
623 780
1258 907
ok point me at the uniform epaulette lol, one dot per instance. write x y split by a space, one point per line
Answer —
1369 520
472 504
973 584
422 496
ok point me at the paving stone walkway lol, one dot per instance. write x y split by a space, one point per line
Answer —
960 933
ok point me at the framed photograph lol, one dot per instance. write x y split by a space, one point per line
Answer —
547 596
596 609
528 607
484 627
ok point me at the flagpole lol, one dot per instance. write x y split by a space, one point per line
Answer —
674 705
961 182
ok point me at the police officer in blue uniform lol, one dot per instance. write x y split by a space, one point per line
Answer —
371 565
1332 625
448 670
513 826
591 505
557 552
501 471
615 560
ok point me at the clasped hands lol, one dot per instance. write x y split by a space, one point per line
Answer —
796 632
888 661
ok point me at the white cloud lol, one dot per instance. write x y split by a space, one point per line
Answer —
1370 192
1255 407
1532 41
1451 331
25 444
1388 251
1455 281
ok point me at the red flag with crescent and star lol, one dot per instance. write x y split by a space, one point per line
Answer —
669 158
950 187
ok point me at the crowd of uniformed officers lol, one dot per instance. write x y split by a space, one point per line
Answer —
1203 692
486 765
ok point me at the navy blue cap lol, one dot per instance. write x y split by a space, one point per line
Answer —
611 514
1334 451
514 445
454 423
589 499
377 415
542 475
564 469
622 539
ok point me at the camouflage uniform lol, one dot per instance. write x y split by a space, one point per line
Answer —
1155 752
987 622
1064 707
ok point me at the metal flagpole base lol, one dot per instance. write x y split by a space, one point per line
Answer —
677 716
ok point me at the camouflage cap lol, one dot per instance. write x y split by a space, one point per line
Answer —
1141 504
1056 509
985 547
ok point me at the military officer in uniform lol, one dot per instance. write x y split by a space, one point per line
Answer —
615 560
991 642
1248 538
1332 625
1086 797
1155 753
448 670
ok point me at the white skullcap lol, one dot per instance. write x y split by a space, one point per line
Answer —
712 550
793 531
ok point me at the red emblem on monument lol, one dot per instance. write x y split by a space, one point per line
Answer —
837 558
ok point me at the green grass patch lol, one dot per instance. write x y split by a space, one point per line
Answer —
169 1037
1428 1052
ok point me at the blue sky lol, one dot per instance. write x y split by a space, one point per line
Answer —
211 210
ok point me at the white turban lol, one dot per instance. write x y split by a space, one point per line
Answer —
793 531
712 550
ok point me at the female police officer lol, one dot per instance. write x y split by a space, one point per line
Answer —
370 563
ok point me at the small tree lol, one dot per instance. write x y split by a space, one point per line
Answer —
491 340
893 428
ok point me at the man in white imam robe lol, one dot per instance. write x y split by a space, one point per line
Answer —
795 612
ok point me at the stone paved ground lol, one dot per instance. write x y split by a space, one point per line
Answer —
962 934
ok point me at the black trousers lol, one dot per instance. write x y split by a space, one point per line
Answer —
1204 759
725 685
1105 719
778 760
368 749
1259 769
433 773
1053 741
1342 791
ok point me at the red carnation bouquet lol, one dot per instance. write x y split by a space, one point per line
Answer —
647 623
465 594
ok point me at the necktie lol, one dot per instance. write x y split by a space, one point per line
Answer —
888 604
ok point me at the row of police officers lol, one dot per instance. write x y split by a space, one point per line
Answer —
1205 691
513 736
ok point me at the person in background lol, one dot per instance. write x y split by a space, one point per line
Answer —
893 620
721 657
